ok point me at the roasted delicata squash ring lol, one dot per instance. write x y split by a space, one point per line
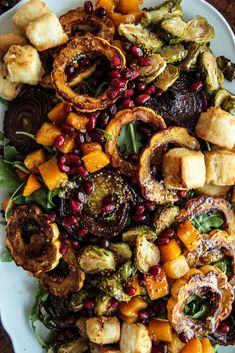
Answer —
214 248
207 282
66 278
32 239
152 189
122 118
80 17
84 45
206 204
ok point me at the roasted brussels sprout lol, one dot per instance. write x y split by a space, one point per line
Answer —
164 217
219 97
140 36
151 72
229 106
94 259
175 26
122 252
77 345
168 77
227 67
167 9
190 62
127 270
131 235
198 30
173 53
146 254
77 300
103 305
211 75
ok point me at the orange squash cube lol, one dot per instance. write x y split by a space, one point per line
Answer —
156 286
131 308
95 160
193 346
129 18
134 282
129 6
207 347
47 134
176 268
88 147
160 330
51 174
69 143
78 121
176 345
31 185
170 251
108 5
58 114
34 159
189 235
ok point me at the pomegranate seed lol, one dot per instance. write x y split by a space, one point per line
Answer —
197 86
112 109
223 328
139 209
82 232
68 108
104 243
52 217
80 138
91 125
136 51
182 193
74 159
155 270
115 74
183 337
143 314
128 93
131 84
130 290
88 7
142 99
59 141
95 114
75 244
87 137
60 336
108 208
144 61
70 320
88 187
89 304
149 206
69 334
108 199
104 119
75 206
145 131
100 12
158 92
63 167
70 221
97 136
150 90
164 240
127 46
68 128
113 93
168 232
117 83
128 103
63 249
114 303
82 171
133 157
80 197
127 74
135 74
116 63
141 86
139 218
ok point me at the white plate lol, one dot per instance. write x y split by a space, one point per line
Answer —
16 285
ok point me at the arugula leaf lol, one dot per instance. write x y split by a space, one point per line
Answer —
51 194
225 265
206 222
197 307
11 200
129 139
12 155
8 178
1 136
6 256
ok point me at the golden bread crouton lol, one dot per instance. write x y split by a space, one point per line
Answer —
46 32
103 330
220 167
135 339
23 64
183 169
9 39
218 127
8 90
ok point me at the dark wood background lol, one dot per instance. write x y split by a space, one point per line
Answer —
227 8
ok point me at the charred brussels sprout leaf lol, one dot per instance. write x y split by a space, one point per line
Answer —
164 217
160 13
131 235
229 106
173 53
146 254
198 30
122 252
77 300
168 77
94 259
212 76
77 345
175 26
103 305
140 36
227 67
190 62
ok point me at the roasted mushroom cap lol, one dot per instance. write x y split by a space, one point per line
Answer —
123 118
206 204
208 284
152 189
87 45
79 17
65 278
33 239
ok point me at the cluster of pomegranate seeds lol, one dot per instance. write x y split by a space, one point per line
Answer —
142 209
165 236
88 187
70 221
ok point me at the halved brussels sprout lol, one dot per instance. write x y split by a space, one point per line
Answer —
131 235
103 305
173 53
81 325
219 96
174 26
161 12
227 67
211 75
122 252
164 217
127 270
229 105
198 30
77 345
77 300
190 62
94 259
140 36
168 77
151 72
146 254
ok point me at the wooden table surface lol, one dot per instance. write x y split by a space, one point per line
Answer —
227 8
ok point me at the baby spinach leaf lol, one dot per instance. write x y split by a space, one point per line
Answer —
197 307
6 256
206 222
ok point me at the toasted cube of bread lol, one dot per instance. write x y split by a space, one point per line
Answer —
218 127
9 39
183 169
29 12
8 90
46 32
23 64
220 167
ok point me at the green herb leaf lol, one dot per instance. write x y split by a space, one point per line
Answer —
11 200
12 155
225 265
6 256
8 178
129 139
50 195
208 146
101 88
207 222
1 136
197 307
107 135
26 134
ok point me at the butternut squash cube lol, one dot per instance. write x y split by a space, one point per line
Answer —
34 159
128 319
134 282
176 345
51 174
193 346
189 235
160 330
69 143
108 5
88 147
47 134
58 114
131 308
170 251
31 185
95 160
129 6
207 347
78 121
176 268
156 286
